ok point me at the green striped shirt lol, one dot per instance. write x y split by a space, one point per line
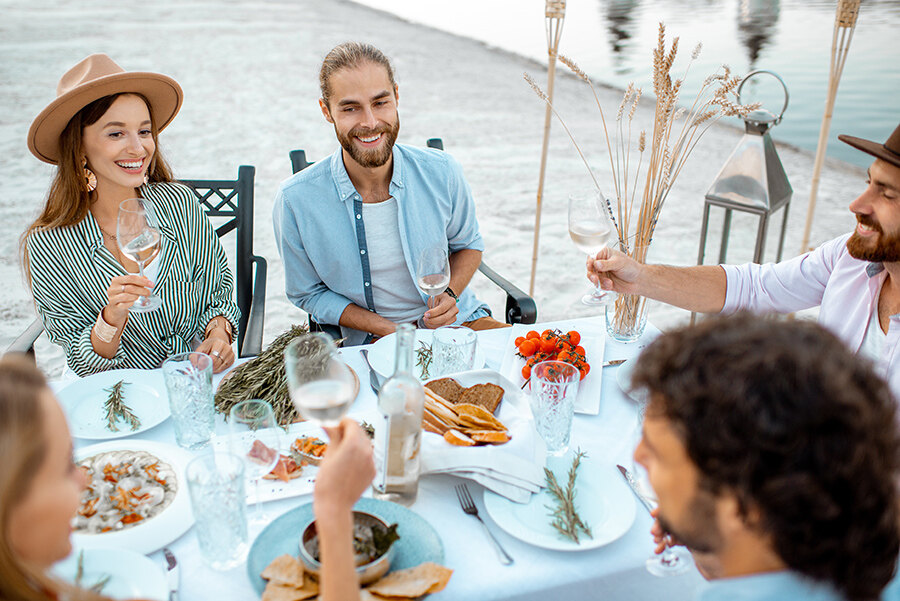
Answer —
71 270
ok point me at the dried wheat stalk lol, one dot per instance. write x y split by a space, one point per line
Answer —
676 132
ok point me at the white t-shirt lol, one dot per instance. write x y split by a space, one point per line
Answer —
872 346
395 293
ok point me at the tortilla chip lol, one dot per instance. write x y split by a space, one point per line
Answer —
285 569
280 592
426 578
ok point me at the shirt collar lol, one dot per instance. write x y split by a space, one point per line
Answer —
342 178
873 269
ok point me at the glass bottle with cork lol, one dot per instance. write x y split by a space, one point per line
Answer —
401 401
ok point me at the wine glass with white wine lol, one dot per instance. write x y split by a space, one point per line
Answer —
257 438
321 385
433 272
591 229
138 240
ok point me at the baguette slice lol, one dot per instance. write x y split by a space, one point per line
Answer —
488 436
458 438
483 395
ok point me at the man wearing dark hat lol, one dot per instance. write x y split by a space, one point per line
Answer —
853 279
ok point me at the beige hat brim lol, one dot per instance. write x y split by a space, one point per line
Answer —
163 93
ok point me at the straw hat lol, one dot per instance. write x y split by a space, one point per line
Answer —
91 79
889 151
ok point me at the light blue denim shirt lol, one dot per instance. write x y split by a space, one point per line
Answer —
779 586
321 234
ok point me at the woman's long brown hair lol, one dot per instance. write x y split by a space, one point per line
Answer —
69 201
22 445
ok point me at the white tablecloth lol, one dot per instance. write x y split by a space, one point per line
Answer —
615 571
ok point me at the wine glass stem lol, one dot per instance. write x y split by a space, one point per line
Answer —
258 511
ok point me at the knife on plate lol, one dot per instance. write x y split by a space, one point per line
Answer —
633 485
613 362
172 569
374 382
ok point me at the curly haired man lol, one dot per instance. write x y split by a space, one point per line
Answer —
775 456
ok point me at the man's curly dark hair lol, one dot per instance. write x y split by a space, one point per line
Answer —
784 416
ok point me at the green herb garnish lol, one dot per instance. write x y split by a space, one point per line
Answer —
383 538
98 586
564 516
423 358
116 409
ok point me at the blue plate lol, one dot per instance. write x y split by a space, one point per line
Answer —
419 542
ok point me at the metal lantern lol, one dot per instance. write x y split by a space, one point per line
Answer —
752 180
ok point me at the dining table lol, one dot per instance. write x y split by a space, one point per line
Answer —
612 571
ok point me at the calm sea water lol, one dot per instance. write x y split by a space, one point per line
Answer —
612 40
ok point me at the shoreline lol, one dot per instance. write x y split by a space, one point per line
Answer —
453 87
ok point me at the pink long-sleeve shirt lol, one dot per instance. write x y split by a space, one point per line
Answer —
845 289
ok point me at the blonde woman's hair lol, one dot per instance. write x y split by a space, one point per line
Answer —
349 55
22 446
69 201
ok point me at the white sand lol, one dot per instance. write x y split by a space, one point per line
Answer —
249 71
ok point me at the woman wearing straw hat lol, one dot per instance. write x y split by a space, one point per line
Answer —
101 132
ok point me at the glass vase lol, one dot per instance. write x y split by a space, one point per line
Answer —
627 318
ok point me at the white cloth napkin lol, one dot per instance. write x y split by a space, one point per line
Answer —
514 469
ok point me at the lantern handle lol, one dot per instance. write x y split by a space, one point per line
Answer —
754 117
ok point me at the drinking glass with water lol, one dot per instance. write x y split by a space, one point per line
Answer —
189 384
554 386
216 485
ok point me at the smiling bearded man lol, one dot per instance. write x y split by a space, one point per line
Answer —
351 228
773 453
854 279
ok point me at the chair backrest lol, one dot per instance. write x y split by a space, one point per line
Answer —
234 199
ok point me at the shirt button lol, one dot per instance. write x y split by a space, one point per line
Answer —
359 216
362 252
367 284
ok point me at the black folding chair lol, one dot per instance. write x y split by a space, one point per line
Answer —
233 200
520 308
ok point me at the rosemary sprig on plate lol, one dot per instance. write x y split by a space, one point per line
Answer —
98 586
564 516
116 409
423 358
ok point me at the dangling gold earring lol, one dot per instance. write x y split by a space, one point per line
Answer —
147 172
90 180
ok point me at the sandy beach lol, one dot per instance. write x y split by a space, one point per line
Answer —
250 75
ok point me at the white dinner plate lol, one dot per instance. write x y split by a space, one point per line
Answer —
159 530
602 500
145 394
623 379
131 575
381 356
593 339
271 490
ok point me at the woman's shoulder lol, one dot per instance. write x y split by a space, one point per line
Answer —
50 238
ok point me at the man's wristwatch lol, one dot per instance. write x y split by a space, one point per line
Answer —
452 294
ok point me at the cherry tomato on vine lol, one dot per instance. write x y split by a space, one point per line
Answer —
573 337
519 341
532 334
528 348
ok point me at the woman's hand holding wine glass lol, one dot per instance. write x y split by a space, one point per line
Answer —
139 241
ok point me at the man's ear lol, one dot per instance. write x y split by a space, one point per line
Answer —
325 112
396 94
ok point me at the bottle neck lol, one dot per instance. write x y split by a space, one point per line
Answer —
403 359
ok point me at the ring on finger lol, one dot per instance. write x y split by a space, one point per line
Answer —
216 354
123 288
